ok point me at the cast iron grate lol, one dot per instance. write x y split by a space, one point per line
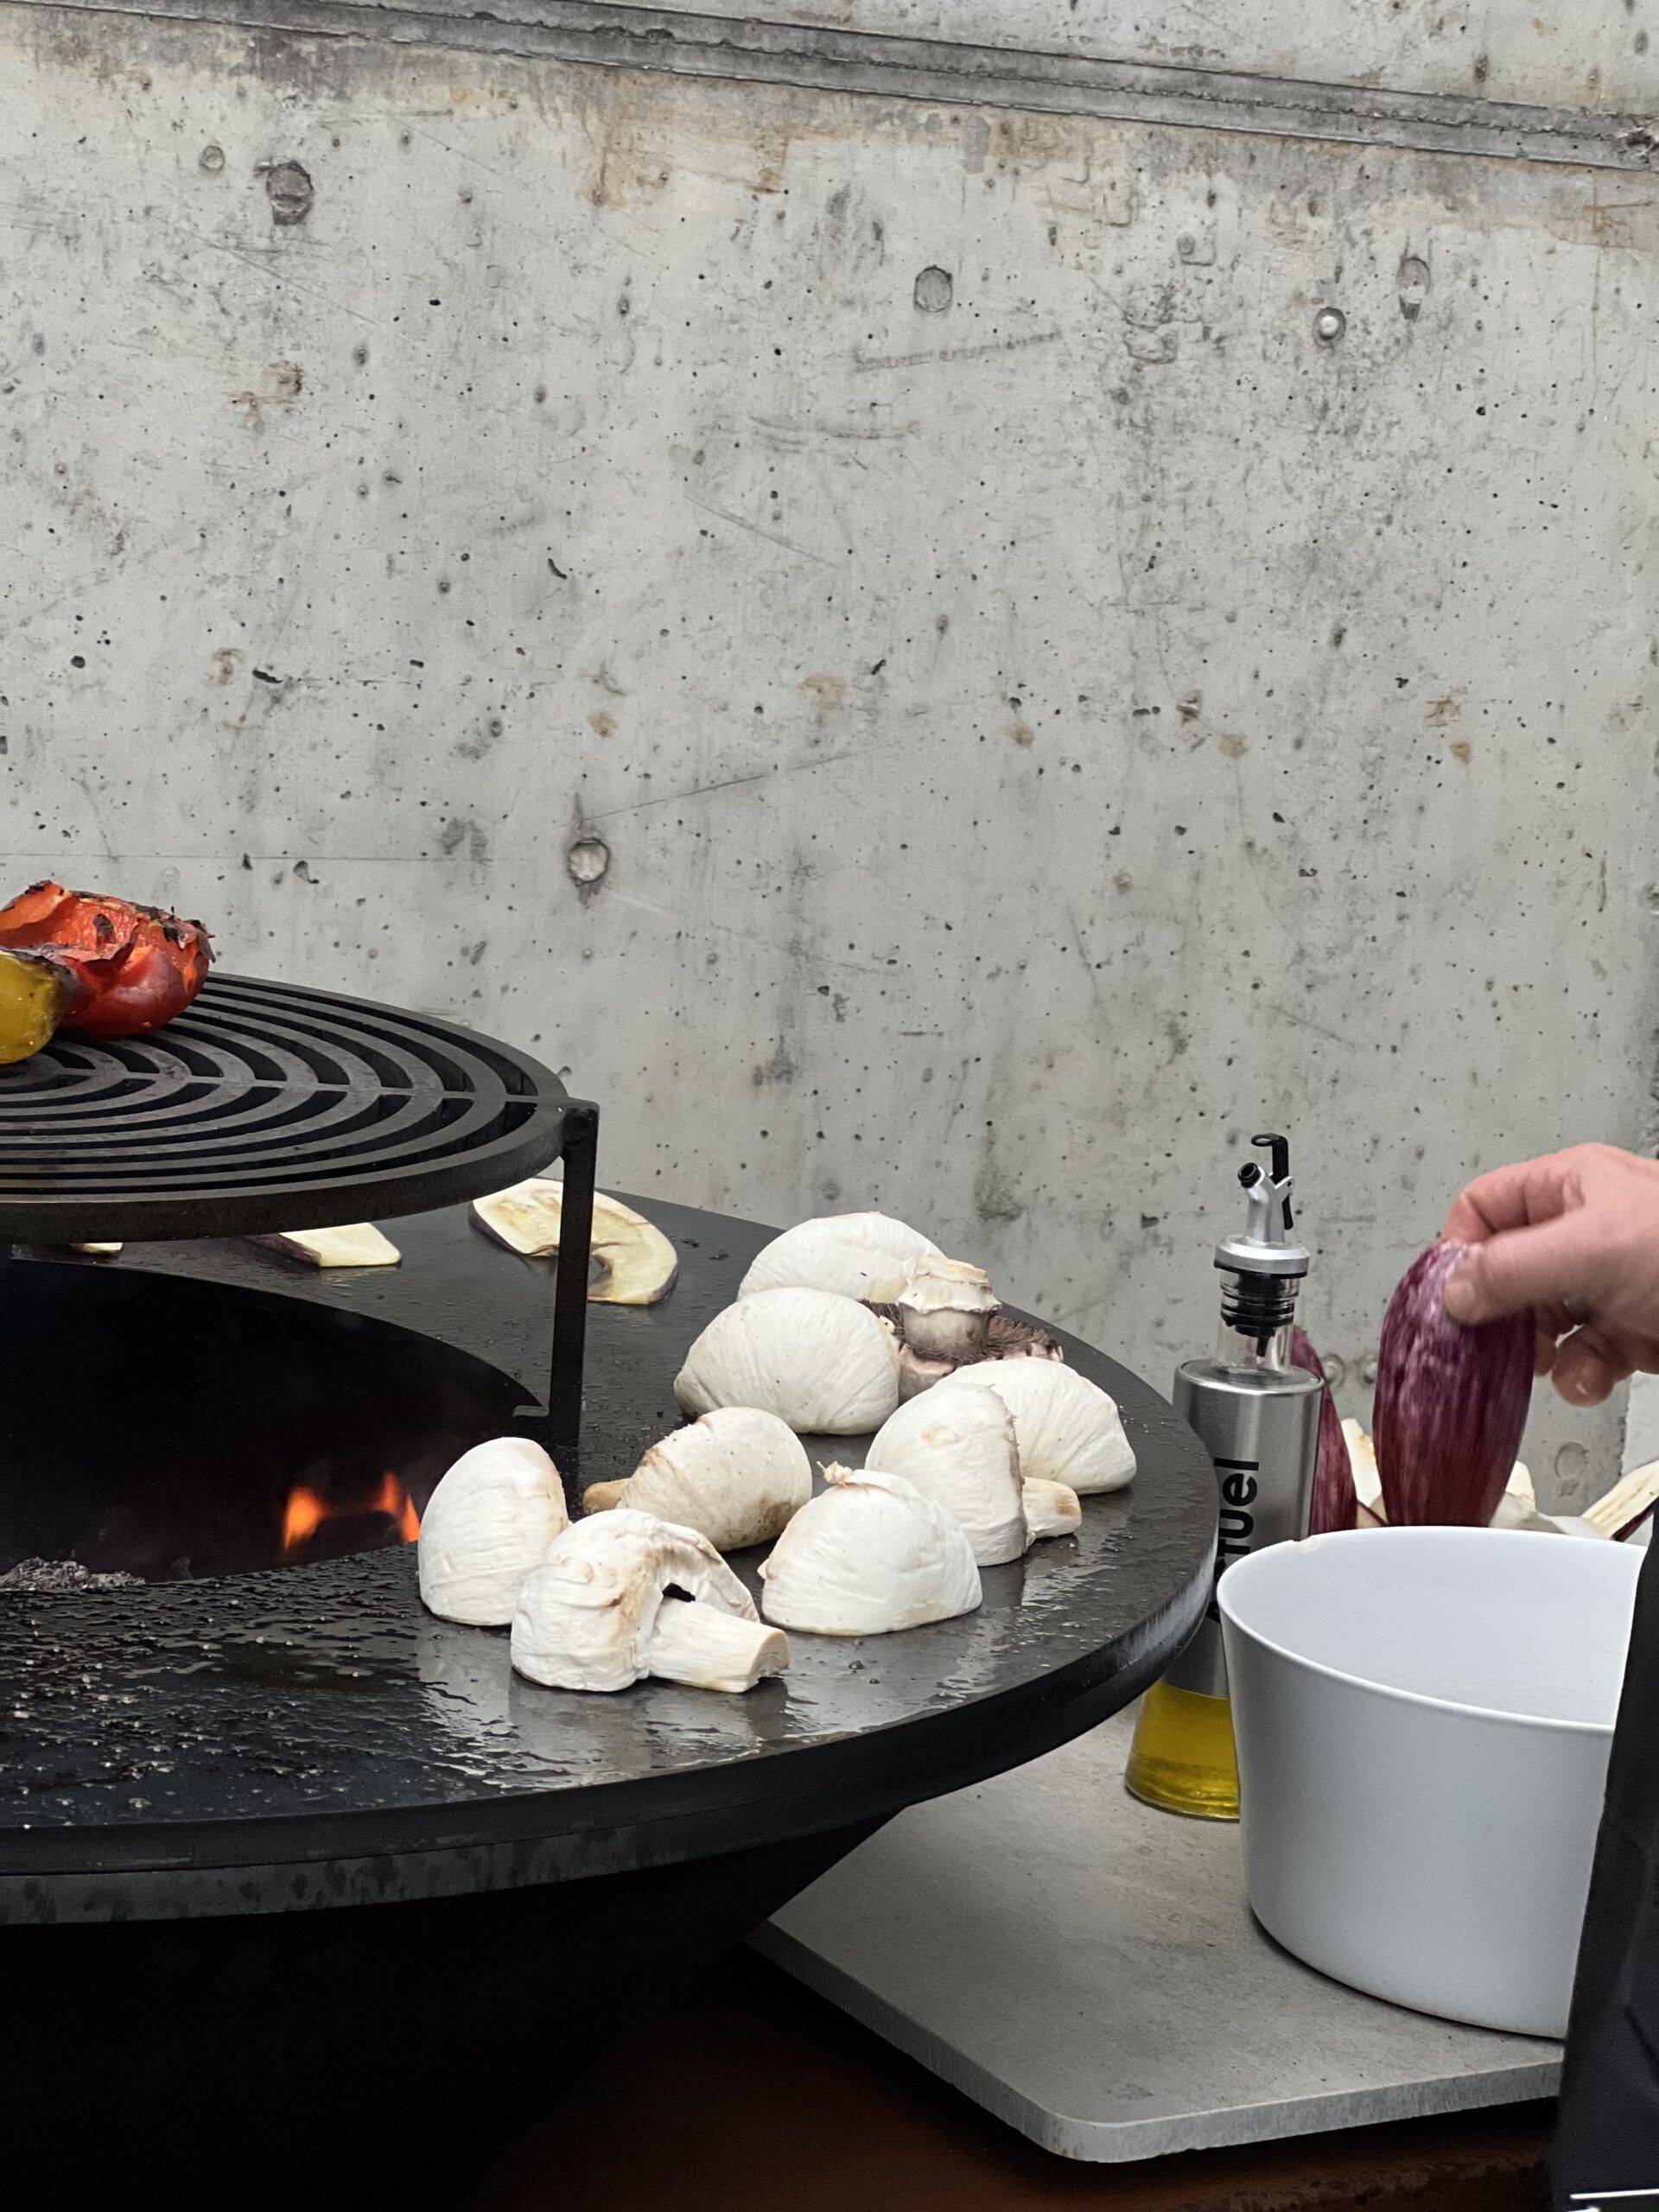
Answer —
268 1108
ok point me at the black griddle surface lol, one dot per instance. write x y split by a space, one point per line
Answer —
311 1736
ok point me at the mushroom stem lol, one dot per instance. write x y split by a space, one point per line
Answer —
1051 1509
599 1497
698 1644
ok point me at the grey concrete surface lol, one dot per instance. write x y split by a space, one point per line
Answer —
1089 1970
932 655
1592 54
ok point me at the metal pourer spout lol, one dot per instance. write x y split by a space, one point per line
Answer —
1263 1270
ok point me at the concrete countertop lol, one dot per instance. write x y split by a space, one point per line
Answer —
1088 1970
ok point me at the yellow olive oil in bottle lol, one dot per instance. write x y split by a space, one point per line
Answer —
1258 1417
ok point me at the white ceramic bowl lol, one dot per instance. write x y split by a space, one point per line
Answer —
1423 1719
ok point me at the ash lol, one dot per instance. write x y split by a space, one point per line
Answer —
33 1576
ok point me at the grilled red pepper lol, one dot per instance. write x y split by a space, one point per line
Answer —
140 966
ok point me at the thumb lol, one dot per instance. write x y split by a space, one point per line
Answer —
1554 1264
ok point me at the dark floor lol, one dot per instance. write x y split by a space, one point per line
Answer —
749 2095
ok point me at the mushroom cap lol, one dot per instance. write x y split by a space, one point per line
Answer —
736 1475
957 1447
859 1255
869 1555
821 1362
486 1524
1069 1430
585 1614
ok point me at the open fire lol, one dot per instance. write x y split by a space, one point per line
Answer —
306 1513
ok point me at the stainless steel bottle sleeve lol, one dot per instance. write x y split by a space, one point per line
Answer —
1261 1429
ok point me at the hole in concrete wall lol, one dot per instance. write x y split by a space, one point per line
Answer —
935 289
288 188
587 862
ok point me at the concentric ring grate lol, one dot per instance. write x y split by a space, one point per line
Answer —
265 1108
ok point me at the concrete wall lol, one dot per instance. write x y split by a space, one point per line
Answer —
880 637
1590 54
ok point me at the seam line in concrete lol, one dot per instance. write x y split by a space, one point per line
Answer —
947 73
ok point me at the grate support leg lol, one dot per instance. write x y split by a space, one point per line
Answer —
560 1427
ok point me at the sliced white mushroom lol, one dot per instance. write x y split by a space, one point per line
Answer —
1069 1429
870 1554
824 1364
636 1264
957 1447
591 1615
486 1525
736 1476
1052 1509
945 1309
354 1244
858 1255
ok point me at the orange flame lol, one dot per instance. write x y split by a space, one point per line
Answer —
305 1512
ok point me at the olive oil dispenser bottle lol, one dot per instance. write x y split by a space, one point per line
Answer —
1258 1417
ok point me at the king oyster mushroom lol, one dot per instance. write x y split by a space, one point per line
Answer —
1068 1429
636 1264
486 1525
821 1362
870 1554
735 1476
860 1254
596 1615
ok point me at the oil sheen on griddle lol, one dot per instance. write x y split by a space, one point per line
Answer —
1259 1419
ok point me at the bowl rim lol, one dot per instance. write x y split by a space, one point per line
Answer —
1390 1690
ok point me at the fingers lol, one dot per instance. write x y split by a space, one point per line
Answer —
1510 1198
1590 1363
1553 1264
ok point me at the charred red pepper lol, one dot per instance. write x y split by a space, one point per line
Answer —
140 966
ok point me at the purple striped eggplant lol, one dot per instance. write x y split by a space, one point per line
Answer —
1336 1505
1450 1402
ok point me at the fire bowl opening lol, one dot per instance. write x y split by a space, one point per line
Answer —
163 1429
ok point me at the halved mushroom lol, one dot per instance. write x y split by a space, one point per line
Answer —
1068 1428
486 1524
858 1255
635 1262
869 1555
824 1364
957 1447
597 1614
945 1309
358 1244
736 1476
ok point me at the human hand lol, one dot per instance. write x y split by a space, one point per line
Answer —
1575 1236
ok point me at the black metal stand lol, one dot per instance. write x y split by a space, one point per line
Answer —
560 1426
